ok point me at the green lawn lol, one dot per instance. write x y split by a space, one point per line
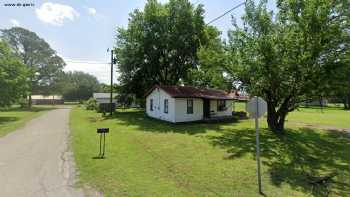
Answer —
330 116
15 117
333 116
239 106
146 157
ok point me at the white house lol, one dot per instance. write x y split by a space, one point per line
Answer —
105 97
186 104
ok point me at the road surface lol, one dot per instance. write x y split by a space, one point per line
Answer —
35 160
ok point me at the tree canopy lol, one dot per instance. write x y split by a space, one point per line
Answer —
42 61
340 83
210 71
13 76
284 57
77 85
160 44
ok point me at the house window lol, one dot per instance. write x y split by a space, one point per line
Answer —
221 105
166 104
189 106
151 105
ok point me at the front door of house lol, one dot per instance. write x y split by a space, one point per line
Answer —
206 108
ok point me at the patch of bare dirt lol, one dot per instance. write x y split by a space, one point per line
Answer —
324 127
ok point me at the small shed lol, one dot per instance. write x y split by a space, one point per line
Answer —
105 97
47 100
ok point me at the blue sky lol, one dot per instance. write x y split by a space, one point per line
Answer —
81 30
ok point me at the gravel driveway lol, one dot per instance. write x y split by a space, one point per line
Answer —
35 160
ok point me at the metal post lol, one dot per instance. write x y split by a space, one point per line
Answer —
111 99
104 144
258 144
100 144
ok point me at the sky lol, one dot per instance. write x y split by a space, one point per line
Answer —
80 31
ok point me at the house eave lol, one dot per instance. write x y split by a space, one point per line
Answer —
210 98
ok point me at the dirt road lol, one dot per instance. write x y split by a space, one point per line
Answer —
35 160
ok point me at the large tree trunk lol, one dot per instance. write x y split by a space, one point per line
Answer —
346 102
321 103
276 119
30 93
30 101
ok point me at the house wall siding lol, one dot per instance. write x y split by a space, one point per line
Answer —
158 96
181 110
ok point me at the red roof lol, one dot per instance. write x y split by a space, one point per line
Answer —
192 92
238 96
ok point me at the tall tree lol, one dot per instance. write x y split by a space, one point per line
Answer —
284 57
42 61
160 44
13 76
77 85
211 71
340 83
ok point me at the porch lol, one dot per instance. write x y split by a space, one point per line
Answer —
217 110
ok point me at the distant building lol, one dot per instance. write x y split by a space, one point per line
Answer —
315 102
47 100
186 104
105 97
239 95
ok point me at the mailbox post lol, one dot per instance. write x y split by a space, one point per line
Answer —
102 132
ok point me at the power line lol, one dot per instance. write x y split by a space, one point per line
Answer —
85 62
198 1
228 11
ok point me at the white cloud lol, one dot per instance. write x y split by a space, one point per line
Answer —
56 14
15 23
98 69
92 11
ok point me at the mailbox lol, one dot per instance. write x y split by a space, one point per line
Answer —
103 130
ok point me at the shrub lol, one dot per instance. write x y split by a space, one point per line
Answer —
241 115
105 107
23 103
91 104
141 102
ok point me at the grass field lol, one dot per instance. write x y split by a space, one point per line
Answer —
332 116
146 157
13 118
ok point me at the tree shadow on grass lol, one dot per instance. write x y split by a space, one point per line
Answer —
293 157
5 120
147 124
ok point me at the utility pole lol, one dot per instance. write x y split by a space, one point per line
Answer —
111 97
